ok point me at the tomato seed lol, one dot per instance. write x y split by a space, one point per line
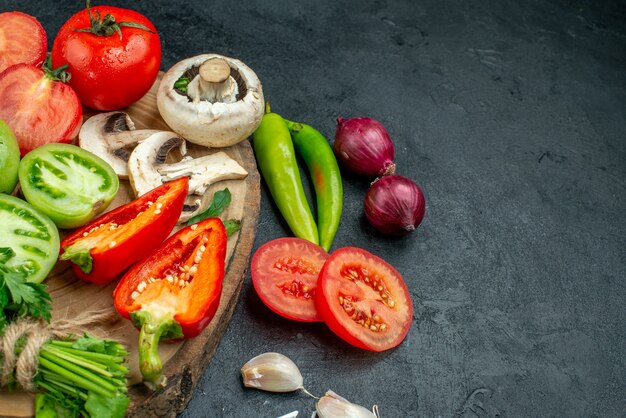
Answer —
297 289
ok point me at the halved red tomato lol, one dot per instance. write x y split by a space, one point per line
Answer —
364 300
38 107
284 274
22 40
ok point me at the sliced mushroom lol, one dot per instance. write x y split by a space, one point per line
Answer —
146 159
148 169
204 171
112 136
222 105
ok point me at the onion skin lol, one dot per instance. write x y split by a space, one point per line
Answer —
363 146
394 205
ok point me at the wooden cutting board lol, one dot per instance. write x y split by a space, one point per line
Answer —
184 361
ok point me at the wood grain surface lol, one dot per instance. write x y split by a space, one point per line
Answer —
184 361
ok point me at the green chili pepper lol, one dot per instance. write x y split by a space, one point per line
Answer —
322 164
277 161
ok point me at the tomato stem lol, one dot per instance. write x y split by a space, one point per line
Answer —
107 25
58 74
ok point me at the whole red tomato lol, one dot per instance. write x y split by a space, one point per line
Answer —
114 55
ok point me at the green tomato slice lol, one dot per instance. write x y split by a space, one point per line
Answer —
31 235
67 183
9 158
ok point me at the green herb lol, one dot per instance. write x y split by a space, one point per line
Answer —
101 407
232 226
84 377
221 199
6 254
19 298
47 405
181 84
80 378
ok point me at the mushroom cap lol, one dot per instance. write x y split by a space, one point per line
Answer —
211 124
111 136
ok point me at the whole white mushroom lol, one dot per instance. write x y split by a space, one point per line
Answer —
211 100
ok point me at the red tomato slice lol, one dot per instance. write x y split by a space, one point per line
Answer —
284 274
38 109
22 40
364 300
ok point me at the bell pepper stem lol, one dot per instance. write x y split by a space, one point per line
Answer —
153 328
150 363
79 256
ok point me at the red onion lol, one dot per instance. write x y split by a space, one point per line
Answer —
363 146
394 205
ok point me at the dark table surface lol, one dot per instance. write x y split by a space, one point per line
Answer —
511 116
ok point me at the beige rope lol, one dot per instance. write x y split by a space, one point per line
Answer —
37 333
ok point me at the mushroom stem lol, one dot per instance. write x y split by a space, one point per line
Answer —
214 70
213 83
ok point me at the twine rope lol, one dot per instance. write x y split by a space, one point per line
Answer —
36 333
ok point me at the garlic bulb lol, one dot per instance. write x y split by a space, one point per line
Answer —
332 405
272 372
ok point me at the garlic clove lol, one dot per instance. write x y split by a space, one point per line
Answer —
272 372
293 414
332 405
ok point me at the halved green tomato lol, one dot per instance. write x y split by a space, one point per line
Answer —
9 158
67 183
31 235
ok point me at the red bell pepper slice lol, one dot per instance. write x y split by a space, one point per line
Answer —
104 248
175 292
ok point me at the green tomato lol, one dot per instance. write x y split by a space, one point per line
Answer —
31 235
67 183
9 158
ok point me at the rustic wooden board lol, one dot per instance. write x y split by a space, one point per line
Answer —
184 361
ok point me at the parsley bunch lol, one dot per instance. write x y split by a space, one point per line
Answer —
83 377
19 298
